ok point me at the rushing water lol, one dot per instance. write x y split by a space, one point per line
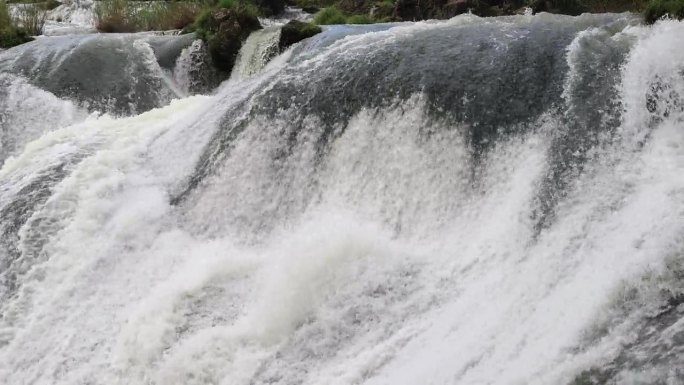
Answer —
472 201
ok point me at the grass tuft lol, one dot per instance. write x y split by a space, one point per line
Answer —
657 9
129 16
359 19
330 15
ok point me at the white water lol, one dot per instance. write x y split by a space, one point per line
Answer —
73 16
398 272
187 60
259 48
28 112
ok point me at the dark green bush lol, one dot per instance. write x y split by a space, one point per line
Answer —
657 9
330 15
224 30
359 19
295 31
5 19
10 37
127 16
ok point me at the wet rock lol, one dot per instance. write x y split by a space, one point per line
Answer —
295 31
224 30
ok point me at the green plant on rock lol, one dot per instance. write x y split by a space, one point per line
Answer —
359 19
657 9
295 31
114 16
32 19
224 30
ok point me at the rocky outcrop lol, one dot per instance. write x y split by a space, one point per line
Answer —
224 30
270 7
295 31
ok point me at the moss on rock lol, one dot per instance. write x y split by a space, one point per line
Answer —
224 30
295 31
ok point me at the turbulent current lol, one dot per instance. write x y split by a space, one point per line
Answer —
471 201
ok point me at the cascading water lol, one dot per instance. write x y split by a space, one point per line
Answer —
474 201
259 48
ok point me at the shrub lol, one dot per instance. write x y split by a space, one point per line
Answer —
114 16
126 16
330 15
5 19
160 16
205 25
242 6
249 9
224 30
657 9
32 19
359 19
227 3
10 34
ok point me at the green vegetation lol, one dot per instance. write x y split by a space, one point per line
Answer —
295 31
11 33
378 11
32 19
359 19
657 9
128 16
333 15
241 6
133 16
224 28
330 15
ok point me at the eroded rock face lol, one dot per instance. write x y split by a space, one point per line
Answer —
224 30
295 31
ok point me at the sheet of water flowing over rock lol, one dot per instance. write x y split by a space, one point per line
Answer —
473 201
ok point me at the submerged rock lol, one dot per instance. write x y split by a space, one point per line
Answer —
295 31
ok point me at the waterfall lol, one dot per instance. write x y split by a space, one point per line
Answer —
259 48
470 201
